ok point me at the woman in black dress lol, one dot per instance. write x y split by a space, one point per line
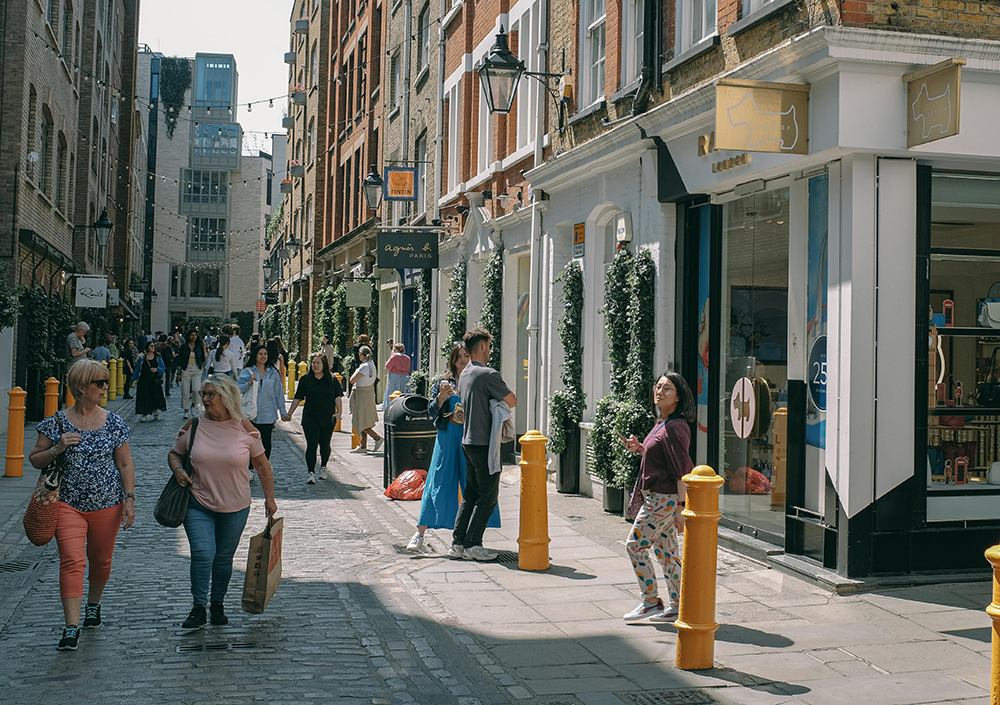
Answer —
149 397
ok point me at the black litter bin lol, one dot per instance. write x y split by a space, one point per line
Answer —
409 437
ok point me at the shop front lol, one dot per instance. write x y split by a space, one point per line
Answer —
835 300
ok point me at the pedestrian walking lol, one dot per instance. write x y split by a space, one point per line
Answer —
666 459
221 360
477 387
331 355
363 340
323 398
97 494
225 444
149 398
270 395
398 368
276 351
447 473
129 355
166 353
191 362
238 348
364 415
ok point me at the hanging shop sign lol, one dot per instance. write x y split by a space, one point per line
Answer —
817 373
261 305
359 294
753 116
579 233
406 250
271 298
113 298
743 407
400 183
933 97
92 292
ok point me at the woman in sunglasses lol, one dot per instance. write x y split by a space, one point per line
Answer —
97 494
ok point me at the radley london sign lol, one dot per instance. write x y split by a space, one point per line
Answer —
408 250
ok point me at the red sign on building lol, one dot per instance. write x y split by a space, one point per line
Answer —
261 306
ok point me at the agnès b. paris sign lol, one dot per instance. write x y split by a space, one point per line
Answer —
408 250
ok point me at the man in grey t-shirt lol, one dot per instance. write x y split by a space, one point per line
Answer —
478 386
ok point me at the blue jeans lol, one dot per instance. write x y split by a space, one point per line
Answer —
213 537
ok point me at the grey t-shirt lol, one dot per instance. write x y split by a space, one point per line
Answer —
477 386
73 343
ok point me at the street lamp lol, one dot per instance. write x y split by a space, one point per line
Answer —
372 186
152 296
292 245
267 269
102 228
500 74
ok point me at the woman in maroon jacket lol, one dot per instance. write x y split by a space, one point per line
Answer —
665 460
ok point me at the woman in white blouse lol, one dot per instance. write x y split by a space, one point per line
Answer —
364 415
222 359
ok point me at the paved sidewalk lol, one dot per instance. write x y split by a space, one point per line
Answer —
781 640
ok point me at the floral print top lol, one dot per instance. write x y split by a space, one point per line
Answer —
91 480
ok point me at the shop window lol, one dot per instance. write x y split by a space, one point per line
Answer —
696 21
635 30
205 283
754 357
424 38
592 24
963 422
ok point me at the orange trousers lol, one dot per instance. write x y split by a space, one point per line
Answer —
84 536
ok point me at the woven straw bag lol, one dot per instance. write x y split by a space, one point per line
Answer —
42 514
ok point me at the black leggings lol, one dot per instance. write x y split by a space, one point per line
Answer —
317 434
266 429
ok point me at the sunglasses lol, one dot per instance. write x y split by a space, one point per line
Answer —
102 382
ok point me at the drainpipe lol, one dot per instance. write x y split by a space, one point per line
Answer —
407 31
432 319
534 376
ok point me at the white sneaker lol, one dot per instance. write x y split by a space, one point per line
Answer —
324 474
360 449
645 609
311 480
667 614
415 543
456 551
478 553
156 415
186 414
378 444
143 418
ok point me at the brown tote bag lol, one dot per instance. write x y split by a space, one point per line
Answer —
42 514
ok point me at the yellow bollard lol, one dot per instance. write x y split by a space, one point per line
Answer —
104 397
51 396
303 369
290 390
120 382
113 379
355 439
533 536
394 395
341 380
696 623
993 556
14 466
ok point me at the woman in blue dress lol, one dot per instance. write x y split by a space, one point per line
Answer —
446 477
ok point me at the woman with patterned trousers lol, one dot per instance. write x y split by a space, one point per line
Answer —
665 460
97 494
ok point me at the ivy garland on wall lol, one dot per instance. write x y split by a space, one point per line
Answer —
424 314
9 305
323 316
492 283
372 320
341 321
455 319
567 405
38 353
273 225
175 80
296 331
629 296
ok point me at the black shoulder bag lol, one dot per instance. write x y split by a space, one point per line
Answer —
171 507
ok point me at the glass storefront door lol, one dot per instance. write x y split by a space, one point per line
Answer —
754 356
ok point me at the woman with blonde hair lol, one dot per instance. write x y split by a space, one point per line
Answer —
225 444
97 494
364 415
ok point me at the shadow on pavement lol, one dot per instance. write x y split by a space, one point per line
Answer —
738 634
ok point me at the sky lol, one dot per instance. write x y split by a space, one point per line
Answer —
254 31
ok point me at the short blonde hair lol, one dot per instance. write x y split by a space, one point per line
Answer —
227 390
82 372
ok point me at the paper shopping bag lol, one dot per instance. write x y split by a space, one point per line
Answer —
263 567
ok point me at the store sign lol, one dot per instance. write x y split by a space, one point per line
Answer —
400 183
406 250
271 298
92 292
752 116
933 98
113 298
579 233
261 306
359 294
817 373
743 407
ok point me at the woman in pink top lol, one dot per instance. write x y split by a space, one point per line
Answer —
225 444
398 367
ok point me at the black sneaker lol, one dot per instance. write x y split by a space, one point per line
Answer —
217 613
93 615
196 618
70 638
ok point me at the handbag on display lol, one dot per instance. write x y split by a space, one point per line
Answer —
171 507
249 405
989 308
988 391
42 514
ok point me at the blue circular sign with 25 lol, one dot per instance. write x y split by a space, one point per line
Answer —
817 373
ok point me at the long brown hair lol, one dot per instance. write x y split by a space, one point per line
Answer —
453 358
